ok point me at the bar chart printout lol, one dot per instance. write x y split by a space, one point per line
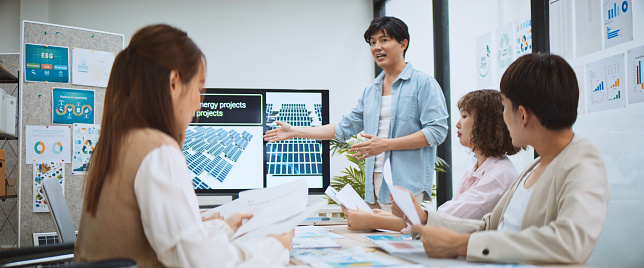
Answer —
618 22
635 58
605 80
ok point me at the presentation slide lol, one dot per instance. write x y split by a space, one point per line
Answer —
46 63
224 145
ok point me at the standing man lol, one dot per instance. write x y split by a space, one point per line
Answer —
402 113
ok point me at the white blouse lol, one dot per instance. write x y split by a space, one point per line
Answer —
173 225
513 215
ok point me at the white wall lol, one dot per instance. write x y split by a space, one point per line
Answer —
285 44
9 26
469 19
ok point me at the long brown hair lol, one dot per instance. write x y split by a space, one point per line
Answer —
138 96
490 135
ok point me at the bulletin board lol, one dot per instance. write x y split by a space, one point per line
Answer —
36 110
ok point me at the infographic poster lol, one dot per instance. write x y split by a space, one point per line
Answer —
43 171
83 144
618 22
72 106
636 85
91 67
46 144
504 49
45 63
605 84
523 37
484 61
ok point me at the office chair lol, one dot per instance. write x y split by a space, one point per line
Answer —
63 252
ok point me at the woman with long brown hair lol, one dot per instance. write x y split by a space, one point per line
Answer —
139 200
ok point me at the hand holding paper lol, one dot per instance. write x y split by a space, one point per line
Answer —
350 199
401 197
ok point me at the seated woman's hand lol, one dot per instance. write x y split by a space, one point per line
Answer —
440 242
359 219
422 214
235 220
214 216
286 239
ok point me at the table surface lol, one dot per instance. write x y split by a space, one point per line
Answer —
357 239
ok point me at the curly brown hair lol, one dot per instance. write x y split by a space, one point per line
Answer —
490 135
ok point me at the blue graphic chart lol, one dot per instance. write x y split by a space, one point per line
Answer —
46 64
84 139
72 106
618 22
606 84
211 153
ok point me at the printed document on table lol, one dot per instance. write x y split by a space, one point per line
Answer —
403 199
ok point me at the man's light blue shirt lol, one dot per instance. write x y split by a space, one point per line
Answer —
417 104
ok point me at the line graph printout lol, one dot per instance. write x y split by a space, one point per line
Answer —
635 84
618 22
605 86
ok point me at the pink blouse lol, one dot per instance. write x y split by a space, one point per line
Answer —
480 190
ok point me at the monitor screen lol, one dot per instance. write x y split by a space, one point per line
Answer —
225 149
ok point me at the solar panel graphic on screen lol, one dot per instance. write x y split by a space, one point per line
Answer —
213 151
296 156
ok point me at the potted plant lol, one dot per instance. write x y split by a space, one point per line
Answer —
355 176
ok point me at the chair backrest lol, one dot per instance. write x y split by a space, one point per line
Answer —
59 210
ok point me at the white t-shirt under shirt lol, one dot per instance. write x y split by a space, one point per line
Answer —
383 130
513 215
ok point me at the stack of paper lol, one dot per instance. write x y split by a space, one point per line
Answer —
275 210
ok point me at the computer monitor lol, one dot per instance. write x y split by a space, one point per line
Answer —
224 146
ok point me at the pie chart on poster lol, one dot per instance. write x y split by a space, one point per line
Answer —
39 147
57 148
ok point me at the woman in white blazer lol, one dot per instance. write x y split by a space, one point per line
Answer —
555 211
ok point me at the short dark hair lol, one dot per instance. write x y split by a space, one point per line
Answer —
490 135
392 27
546 85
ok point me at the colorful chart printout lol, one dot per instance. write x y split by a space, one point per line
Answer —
523 37
85 139
605 84
45 144
636 83
46 63
618 22
43 171
72 106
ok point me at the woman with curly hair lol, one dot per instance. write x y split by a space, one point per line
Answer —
482 129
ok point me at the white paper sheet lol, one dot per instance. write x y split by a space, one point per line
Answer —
484 61
332 193
407 246
91 67
618 22
588 26
314 242
226 210
403 200
561 28
46 144
350 199
279 227
606 84
636 81
273 205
